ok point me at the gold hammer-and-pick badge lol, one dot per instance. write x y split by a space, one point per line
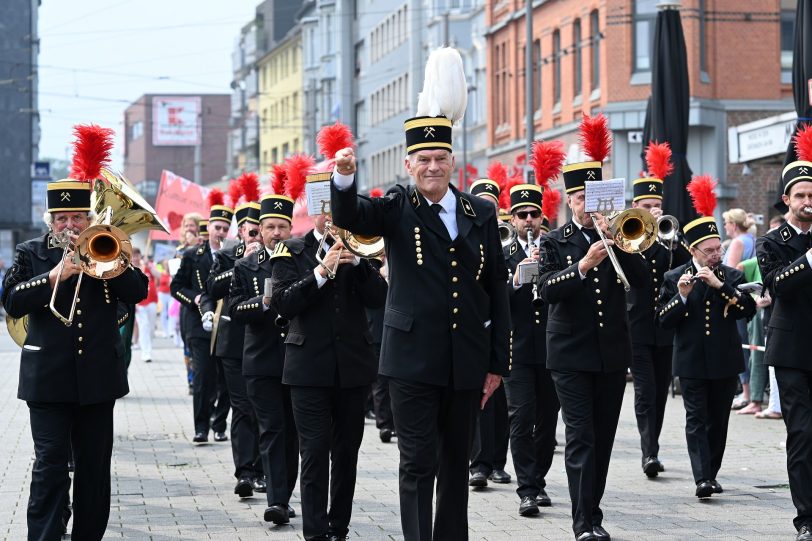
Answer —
65 196
804 170
712 228
652 187
525 194
277 205
428 131
590 175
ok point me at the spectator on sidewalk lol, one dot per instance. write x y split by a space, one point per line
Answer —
146 310
164 298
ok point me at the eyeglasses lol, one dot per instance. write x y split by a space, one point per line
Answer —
522 214
220 228
253 233
719 250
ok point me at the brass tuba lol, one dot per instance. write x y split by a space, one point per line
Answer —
104 249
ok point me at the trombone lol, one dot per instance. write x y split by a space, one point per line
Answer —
104 249
633 231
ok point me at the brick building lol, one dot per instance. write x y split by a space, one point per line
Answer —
595 55
183 133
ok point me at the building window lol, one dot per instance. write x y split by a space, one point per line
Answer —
703 42
537 75
136 130
576 57
556 66
595 38
285 150
645 15
274 155
788 8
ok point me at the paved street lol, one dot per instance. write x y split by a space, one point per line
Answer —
166 488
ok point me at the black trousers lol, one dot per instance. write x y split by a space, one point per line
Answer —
590 408
330 421
278 441
204 383
434 427
491 435
56 428
382 403
651 370
244 434
707 412
221 403
533 410
795 391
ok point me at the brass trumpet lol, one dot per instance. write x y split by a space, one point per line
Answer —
667 229
507 233
363 246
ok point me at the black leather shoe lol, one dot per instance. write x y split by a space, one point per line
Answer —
543 500
336 537
278 514
200 437
528 507
660 467
478 480
259 485
386 435
586 536
717 488
600 533
500 476
651 466
220 436
805 533
291 512
704 489
244 487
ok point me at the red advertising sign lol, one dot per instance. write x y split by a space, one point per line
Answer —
177 196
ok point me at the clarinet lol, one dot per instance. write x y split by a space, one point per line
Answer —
536 296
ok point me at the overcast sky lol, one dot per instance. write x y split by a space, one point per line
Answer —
97 56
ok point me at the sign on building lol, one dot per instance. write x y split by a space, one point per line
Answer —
760 139
176 120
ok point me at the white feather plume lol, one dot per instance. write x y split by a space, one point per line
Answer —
445 91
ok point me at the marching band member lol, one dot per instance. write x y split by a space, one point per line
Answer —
329 365
532 401
70 375
264 355
188 286
491 433
651 344
785 258
446 326
588 343
228 345
700 302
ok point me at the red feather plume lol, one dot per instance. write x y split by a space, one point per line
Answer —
803 143
249 185
234 192
498 173
550 203
504 195
91 151
595 137
658 160
546 160
278 177
376 192
297 167
331 139
216 197
701 190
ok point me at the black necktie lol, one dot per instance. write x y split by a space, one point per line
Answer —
592 234
436 207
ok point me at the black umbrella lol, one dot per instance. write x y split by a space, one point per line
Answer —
667 110
801 74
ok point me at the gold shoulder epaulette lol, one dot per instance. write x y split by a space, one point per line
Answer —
280 251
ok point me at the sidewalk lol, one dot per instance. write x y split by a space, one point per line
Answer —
165 488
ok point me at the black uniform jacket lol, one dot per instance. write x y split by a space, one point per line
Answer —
706 341
787 275
229 340
642 301
83 363
328 342
588 326
528 330
447 314
188 283
264 348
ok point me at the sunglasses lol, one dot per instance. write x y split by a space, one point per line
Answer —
220 228
523 214
253 233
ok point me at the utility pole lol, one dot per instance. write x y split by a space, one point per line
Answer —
528 84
